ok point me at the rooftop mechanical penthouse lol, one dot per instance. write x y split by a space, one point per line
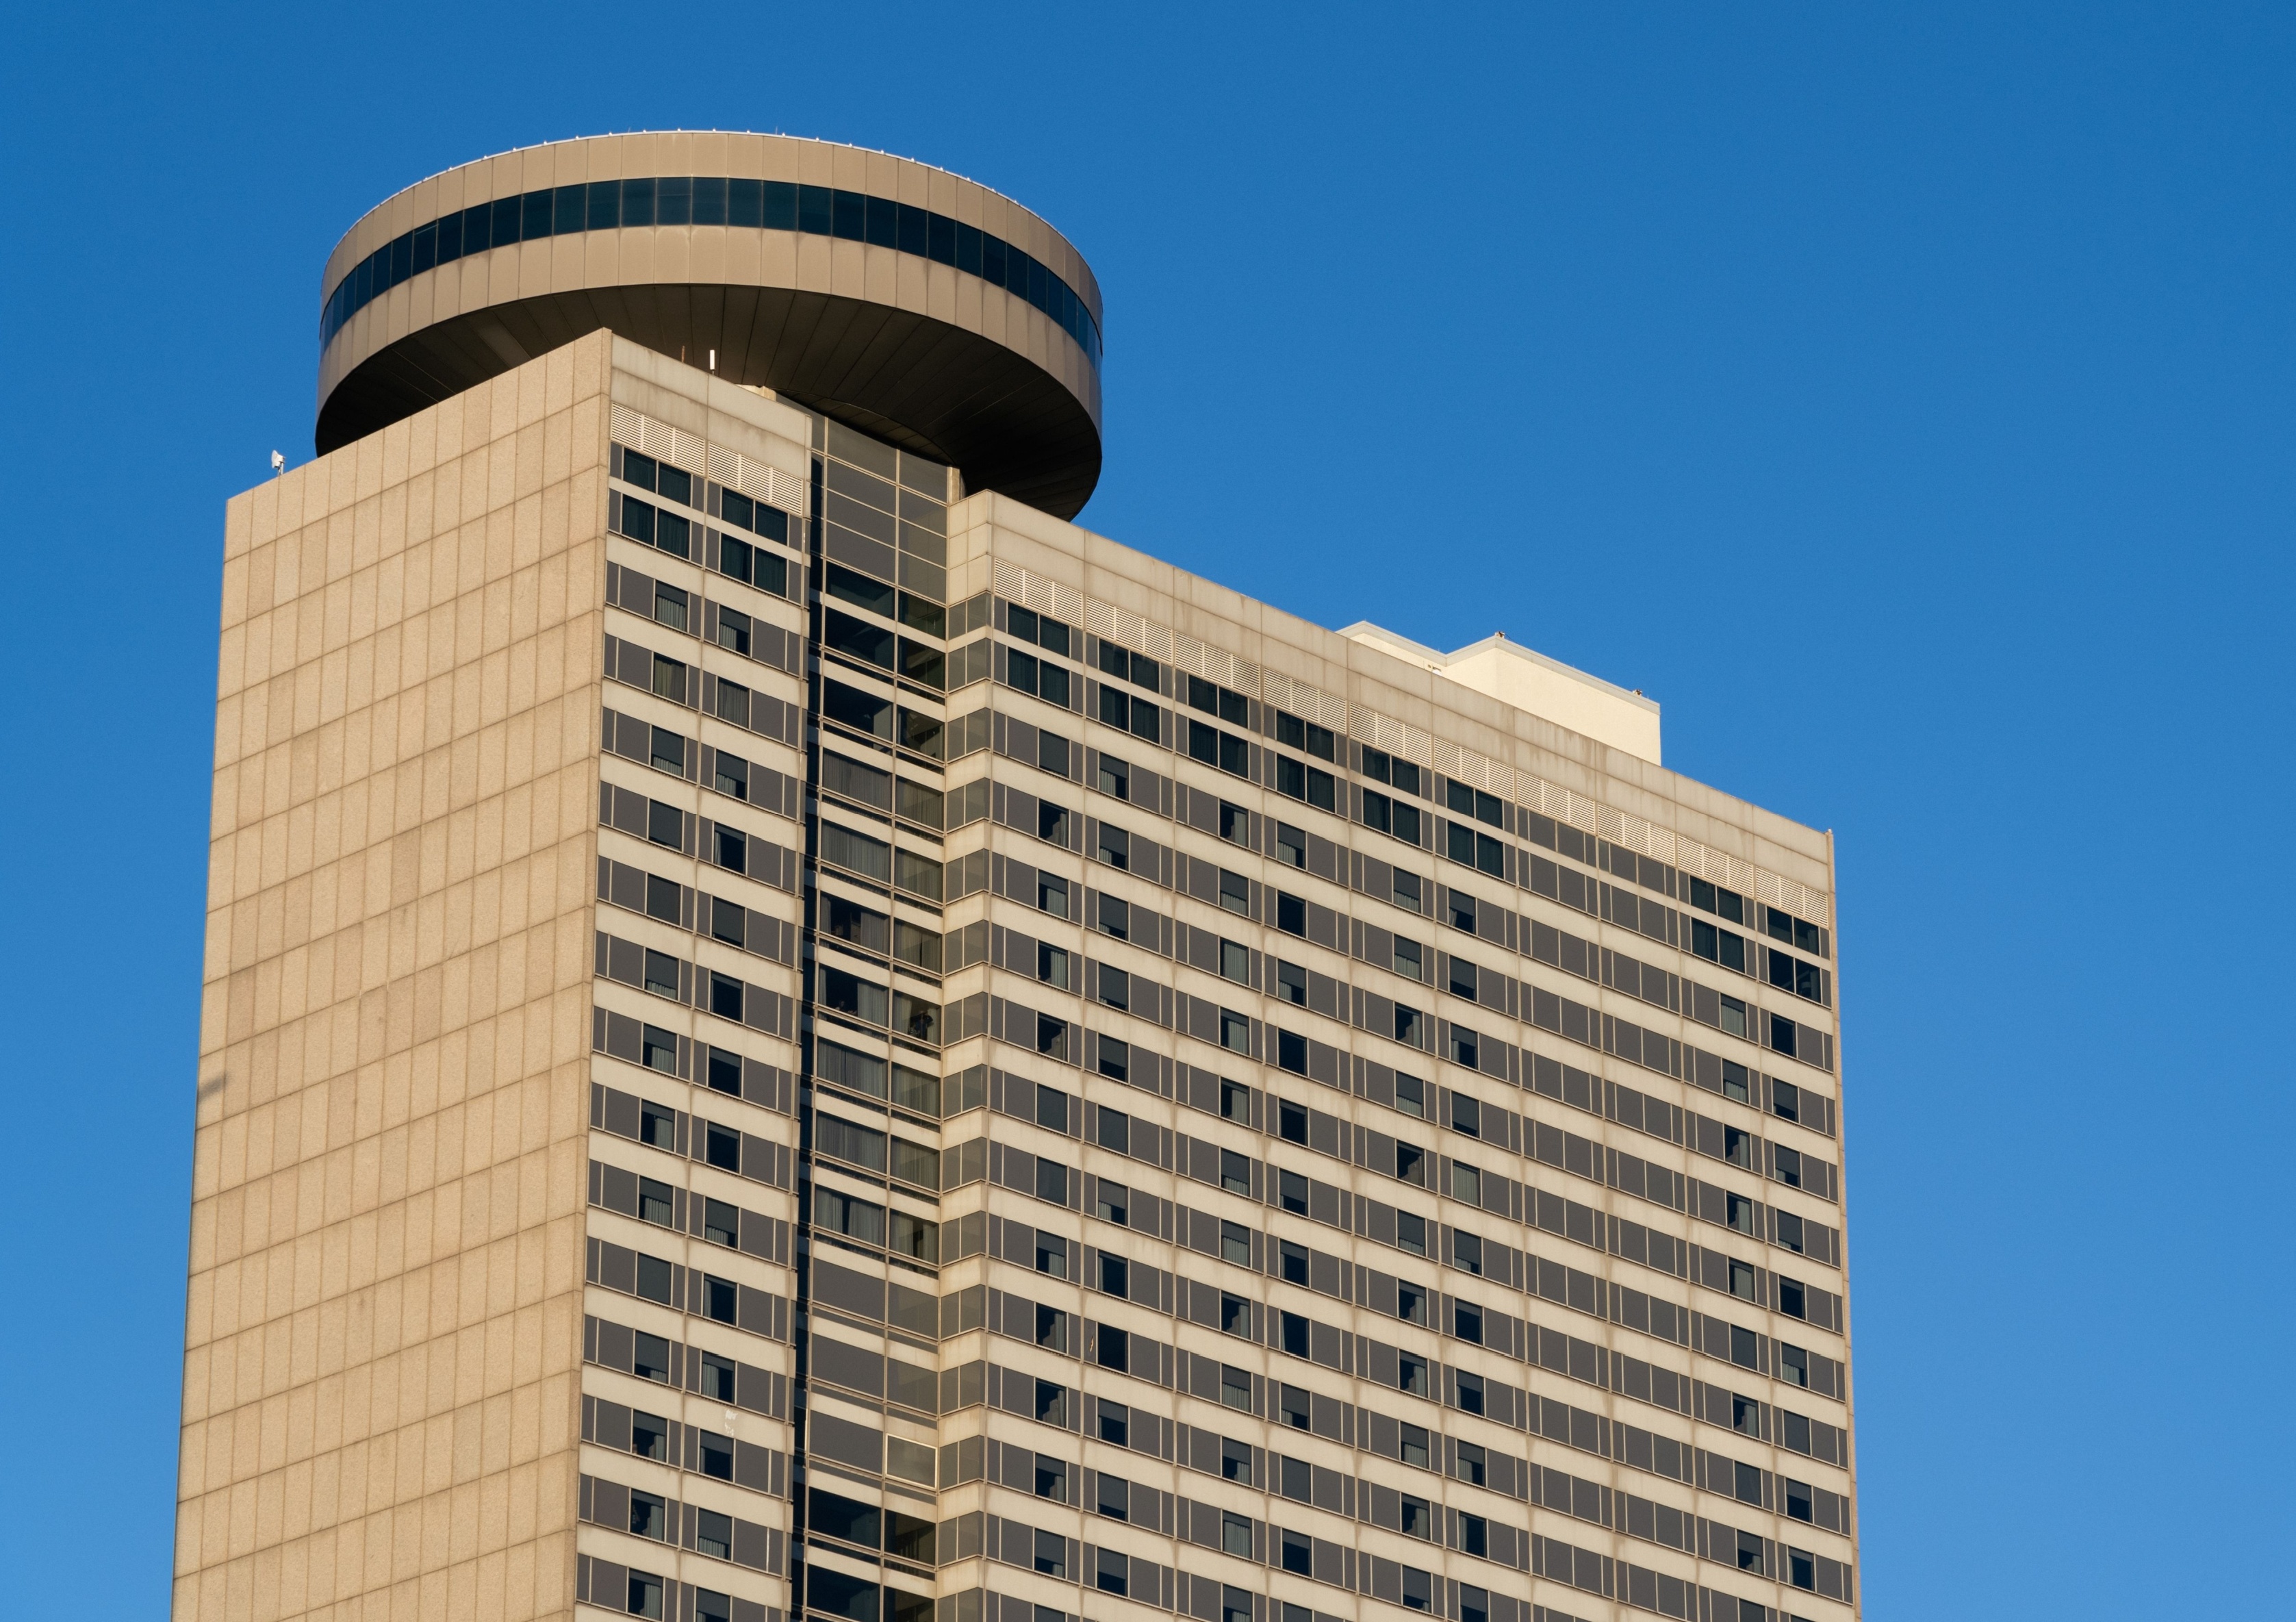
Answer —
787 1033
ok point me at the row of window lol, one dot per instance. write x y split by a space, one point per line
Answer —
702 200
1381 812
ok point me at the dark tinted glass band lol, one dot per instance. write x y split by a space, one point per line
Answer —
683 199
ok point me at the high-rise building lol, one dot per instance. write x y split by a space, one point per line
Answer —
787 1031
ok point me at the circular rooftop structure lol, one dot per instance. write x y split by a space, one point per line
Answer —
895 297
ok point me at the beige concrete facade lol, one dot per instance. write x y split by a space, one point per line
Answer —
381 1369
1092 1073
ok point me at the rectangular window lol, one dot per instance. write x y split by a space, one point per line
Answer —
1411 1374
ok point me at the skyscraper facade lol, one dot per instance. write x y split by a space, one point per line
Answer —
787 1032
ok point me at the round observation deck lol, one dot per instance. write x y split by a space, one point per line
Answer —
895 297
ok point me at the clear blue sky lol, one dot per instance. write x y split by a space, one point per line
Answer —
1903 397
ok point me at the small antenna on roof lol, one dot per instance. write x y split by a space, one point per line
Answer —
278 464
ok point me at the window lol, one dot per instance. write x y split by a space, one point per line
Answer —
1726 947
1411 1374
717 1379
1235 1031
1114 848
1410 1026
1115 1273
1787 1167
1235 1460
1115 1131
1052 895
658 1126
1052 1325
1115 1423
1406 890
1467 1252
1792 1299
1711 898
1411 1164
1235 1100
1411 1232
1052 823
1299 1550
713 1533
1415 1444
1235 893
1115 777
1235 962
653 1201
1236 1244
1113 1575
1115 1349
716 1455
1235 1536
1741 1281
1292 983
1410 1095
1236 1172
1292 1404
1294 733
1746 1416
1785 1100
1797 1499
1744 1347
644 1594
1750 1552
710 1606
1291 845
1052 1405
1235 1388
1291 915
1052 1476
1474 1604
1051 1034
1790 1233
1469 1393
1738 1147
1472 1462
1292 1192
1294 1333
1053 966
1418 1590
1051 1254
1467 1184
1052 1554
1793 1365
1235 1315
1410 1303
1801 1569
1738 1211
652 1359
649 1436
1467 1322
1052 1182
721 1223
1747 1485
